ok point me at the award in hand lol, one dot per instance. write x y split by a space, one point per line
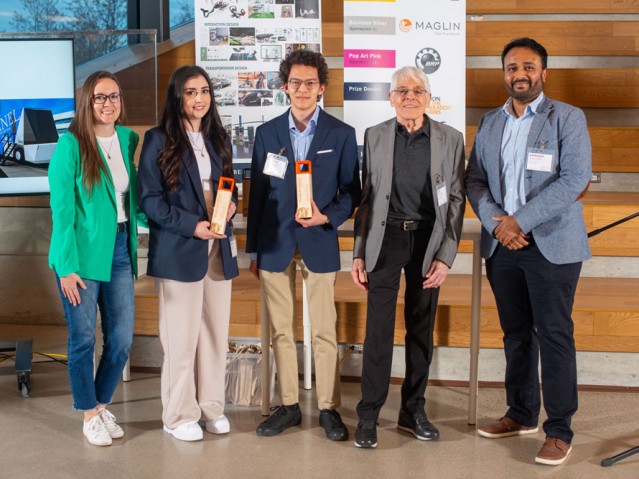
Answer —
304 178
222 202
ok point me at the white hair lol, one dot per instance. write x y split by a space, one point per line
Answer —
413 73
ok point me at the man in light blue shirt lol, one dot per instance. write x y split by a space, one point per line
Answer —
513 153
279 240
529 166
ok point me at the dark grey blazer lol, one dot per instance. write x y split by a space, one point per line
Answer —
446 165
551 211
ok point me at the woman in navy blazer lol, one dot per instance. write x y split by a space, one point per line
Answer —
180 165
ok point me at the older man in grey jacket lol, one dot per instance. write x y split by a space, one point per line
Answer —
410 217
529 165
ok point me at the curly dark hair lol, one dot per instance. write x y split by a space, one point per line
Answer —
304 57
172 124
529 43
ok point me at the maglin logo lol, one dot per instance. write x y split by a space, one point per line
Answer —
405 25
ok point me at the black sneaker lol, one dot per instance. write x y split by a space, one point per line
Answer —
418 425
366 434
282 418
332 423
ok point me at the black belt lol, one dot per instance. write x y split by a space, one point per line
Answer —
410 225
122 227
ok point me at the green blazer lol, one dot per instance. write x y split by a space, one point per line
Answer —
84 227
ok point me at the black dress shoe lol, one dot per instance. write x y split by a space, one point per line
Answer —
282 418
418 425
366 434
332 423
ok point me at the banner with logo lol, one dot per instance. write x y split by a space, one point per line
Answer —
240 43
384 35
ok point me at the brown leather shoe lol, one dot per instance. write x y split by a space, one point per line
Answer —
505 427
553 452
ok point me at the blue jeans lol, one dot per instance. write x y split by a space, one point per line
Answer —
115 300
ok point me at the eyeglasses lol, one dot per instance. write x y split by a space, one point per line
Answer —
295 84
193 92
403 92
114 97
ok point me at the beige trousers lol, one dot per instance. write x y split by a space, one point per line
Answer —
194 328
278 295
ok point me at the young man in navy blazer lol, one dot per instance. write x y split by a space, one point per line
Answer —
529 165
279 240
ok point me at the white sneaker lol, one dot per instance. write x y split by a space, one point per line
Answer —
189 431
96 432
108 419
219 425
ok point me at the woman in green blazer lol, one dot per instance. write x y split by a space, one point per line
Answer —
93 248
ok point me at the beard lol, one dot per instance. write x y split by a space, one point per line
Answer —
534 89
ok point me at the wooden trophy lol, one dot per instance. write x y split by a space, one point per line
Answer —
304 177
222 202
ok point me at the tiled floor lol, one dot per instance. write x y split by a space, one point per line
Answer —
42 438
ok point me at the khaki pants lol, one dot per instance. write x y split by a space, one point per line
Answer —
278 295
194 327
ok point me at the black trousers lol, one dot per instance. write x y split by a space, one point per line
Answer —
400 250
534 300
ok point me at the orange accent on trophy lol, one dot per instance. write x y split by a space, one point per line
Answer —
223 200
304 178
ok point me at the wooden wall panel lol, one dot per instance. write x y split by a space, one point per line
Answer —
559 37
479 7
614 149
585 88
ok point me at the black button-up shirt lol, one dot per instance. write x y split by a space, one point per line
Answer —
412 194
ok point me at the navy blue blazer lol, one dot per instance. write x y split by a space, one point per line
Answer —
272 231
174 253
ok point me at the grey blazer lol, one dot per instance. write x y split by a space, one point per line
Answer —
551 211
447 165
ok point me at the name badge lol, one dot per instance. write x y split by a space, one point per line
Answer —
233 243
275 165
539 160
442 197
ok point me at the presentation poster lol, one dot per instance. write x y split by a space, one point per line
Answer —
37 103
240 43
382 36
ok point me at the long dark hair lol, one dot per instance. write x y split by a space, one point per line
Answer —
177 140
82 128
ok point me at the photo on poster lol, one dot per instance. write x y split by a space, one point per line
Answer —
265 35
286 11
252 80
255 98
280 98
307 9
218 36
295 47
215 10
261 9
273 81
271 53
214 54
243 54
242 36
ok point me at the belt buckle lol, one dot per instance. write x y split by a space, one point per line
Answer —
407 224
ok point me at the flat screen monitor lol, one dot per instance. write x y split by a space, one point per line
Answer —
37 103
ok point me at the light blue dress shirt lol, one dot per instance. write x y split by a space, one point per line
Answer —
513 154
301 140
